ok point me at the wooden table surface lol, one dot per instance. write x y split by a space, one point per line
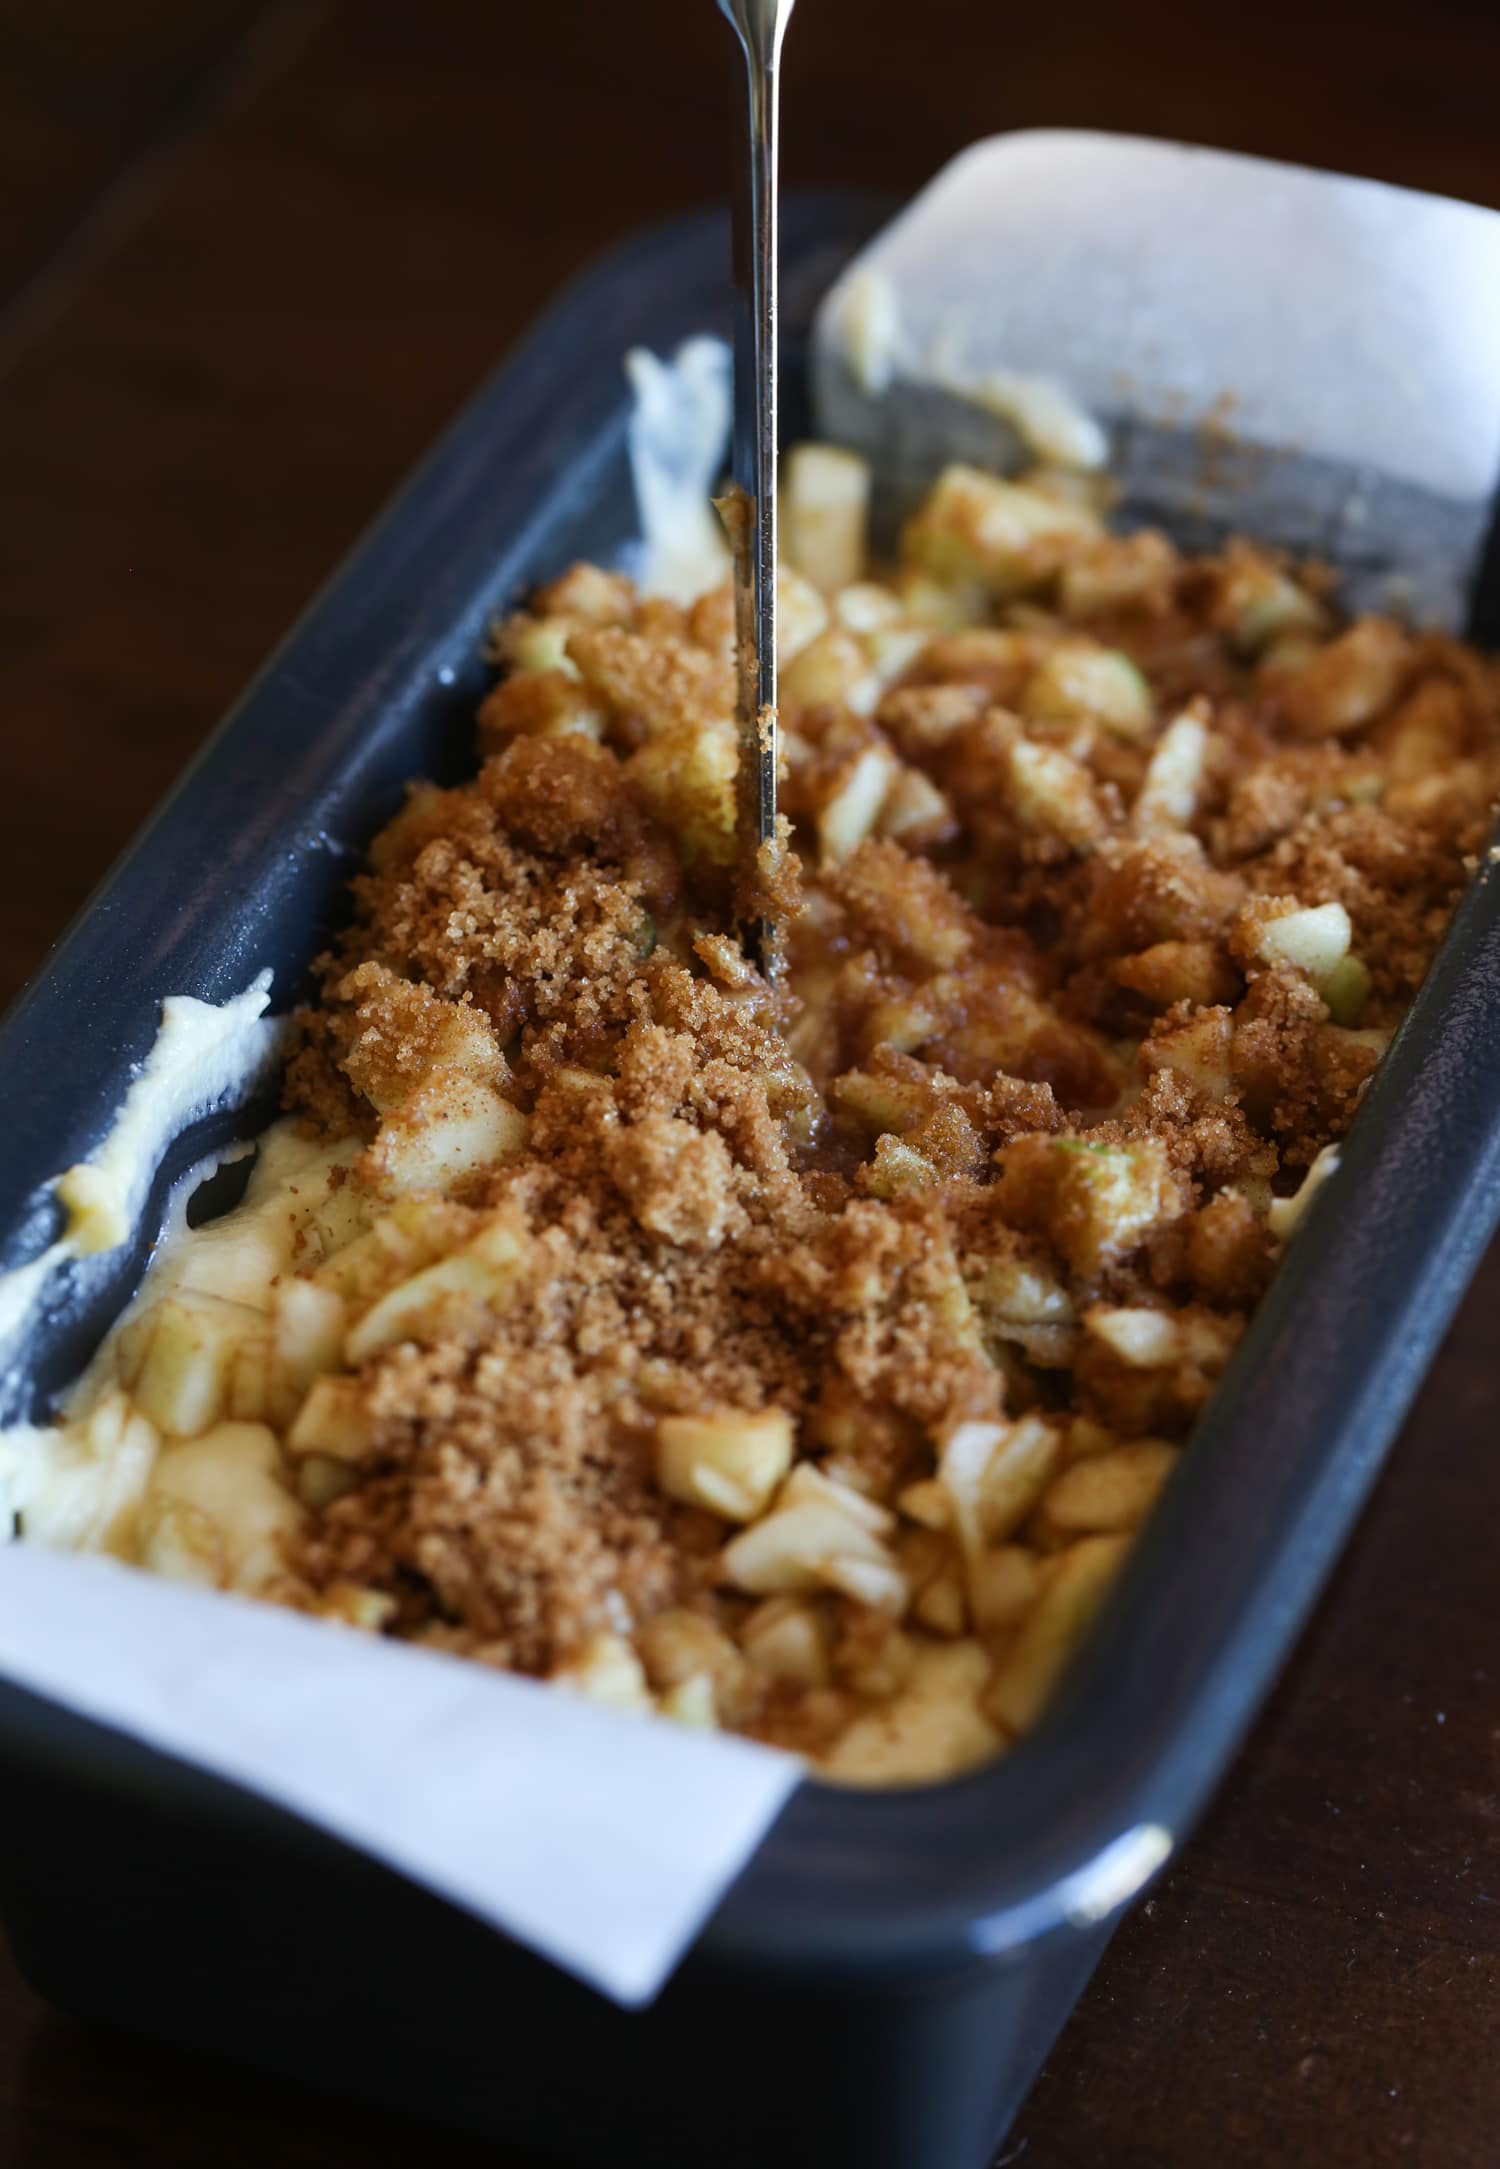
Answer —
251 257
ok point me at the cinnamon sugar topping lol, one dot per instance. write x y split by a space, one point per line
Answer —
802 1360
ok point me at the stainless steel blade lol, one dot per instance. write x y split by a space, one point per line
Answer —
759 26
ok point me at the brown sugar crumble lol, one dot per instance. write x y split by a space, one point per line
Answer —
804 1362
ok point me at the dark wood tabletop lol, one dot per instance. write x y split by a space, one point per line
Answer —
252 256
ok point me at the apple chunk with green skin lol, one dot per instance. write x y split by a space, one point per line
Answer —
1315 939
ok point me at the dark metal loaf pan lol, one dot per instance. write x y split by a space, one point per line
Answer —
882 1982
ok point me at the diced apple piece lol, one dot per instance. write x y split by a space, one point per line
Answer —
365 1268
178 1359
849 813
686 778
232 1475
787 1550
832 672
1179 971
415 1230
416 824
1053 1629
104 1426
1051 794
897 1170
1314 939
677 1643
1079 682
529 643
877 1660
941 1606
86 1495
1118 572
1107 1491
607 1670
932 1729
995 1473
691 1703
966 672
879 1584
542 701
1199 1049
350 1604
1086 1435
808 1486
307 1338
1017 1291
181 1542
927 1503
1259 604
788 1639
1145 1339
864 605
1426 736
730 1462
1149 1340
590 593
1347 683
817 1531
250 1393
339 1218
410 1233
334 1421
1003 1586
1094 1200
825 500
459 1295
914 808
801 613
928 603
891 650
1168 797
450 1127
1003 536
881 1101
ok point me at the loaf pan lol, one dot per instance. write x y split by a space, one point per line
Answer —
883 1981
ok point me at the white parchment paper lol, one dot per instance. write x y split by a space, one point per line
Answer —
599 1840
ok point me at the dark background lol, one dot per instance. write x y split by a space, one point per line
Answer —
251 258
